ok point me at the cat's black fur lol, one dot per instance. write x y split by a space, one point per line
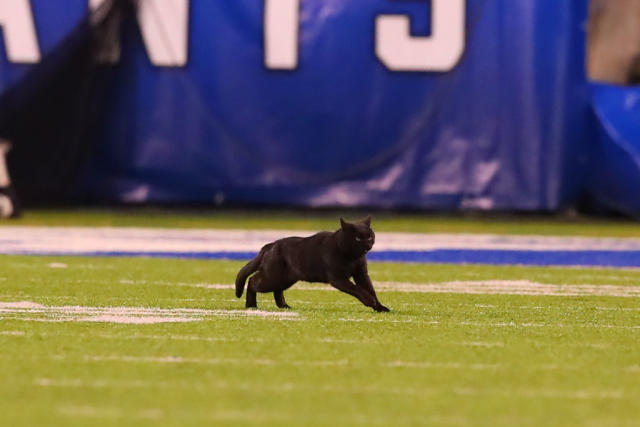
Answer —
327 257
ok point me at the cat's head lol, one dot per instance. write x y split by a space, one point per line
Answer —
358 235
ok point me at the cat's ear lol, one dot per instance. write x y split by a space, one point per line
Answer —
344 224
367 221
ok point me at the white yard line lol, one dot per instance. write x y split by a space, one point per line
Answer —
481 344
58 265
90 412
442 365
13 333
545 393
31 311
510 287
351 303
396 364
295 388
178 337
618 308
155 414
490 287
420 321
87 239
210 361
95 383
7 307
547 325
139 320
26 310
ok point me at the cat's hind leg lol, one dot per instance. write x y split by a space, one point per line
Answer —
254 283
260 282
279 297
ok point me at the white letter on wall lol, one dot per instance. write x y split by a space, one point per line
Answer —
281 34
20 39
399 51
164 25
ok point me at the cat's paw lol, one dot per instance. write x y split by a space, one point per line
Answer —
381 308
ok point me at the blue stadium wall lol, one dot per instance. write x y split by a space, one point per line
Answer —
509 126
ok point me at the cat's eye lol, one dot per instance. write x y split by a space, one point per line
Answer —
358 239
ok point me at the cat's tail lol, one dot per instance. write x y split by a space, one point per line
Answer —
246 271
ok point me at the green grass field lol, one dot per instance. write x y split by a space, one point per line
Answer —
436 359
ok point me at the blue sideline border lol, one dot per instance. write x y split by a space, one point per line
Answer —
600 258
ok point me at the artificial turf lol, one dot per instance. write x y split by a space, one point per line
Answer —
436 359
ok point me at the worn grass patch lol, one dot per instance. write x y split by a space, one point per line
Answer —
436 359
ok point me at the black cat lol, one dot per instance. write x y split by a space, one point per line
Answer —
327 257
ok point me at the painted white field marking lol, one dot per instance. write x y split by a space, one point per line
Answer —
110 413
330 340
285 387
618 308
90 412
347 341
259 417
428 365
545 393
419 321
547 325
170 337
177 360
204 285
52 240
442 365
58 265
358 320
20 305
115 413
481 344
252 417
347 302
210 361
489 287
25 310
510 287
290 387
178 338
79 383
142 320
13 333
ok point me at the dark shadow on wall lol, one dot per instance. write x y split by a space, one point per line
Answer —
51 116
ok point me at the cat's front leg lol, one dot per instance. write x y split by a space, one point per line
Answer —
347 287
362 279
381 308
